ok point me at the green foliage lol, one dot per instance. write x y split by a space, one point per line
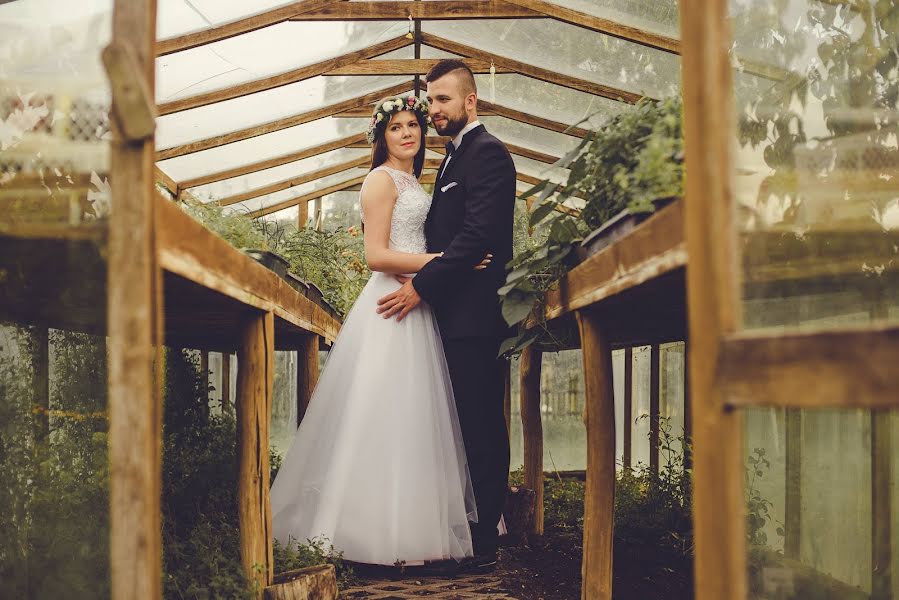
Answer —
317 551
758 508
633 160
237 229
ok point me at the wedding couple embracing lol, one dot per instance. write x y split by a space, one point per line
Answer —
403 454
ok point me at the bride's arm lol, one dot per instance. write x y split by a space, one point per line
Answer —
378 198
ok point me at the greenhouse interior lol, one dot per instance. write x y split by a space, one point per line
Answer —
701 373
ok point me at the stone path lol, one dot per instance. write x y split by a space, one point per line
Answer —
473 587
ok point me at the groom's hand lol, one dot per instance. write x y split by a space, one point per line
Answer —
401 301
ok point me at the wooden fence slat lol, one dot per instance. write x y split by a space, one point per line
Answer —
532 428
307 373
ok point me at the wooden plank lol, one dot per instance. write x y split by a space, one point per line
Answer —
523 117
432 10
532 428
654 413
318 583
227 404
167 182
568 81
600 25
274 162
306 198
134 339
134 106
405 66
773 368
628 408
365 112
255 373
307 373
282 79
279 124
302 215
653 248
599 499
294 181
237 27
719 509
189 250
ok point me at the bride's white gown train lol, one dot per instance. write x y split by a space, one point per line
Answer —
378 465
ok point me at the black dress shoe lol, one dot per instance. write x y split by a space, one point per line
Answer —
435 568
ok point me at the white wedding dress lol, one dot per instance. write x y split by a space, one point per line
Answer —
378 466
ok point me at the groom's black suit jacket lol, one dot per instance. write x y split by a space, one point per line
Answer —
471 214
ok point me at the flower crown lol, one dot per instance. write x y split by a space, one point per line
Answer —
391 106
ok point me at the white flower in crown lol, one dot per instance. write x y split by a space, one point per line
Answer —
387 106
380 117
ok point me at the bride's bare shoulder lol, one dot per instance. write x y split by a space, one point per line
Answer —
378 185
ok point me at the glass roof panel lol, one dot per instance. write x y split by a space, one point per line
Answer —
251 181
263 147
570 50
262 53
547 100
231 115
528 136
656 16
540 170
295 192
177 17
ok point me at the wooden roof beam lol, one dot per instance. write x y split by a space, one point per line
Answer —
238 27
407 66
306 197
575 83
284 123
273 162
430 10
282 79
438 144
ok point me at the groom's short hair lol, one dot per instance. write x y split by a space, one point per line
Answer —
454 65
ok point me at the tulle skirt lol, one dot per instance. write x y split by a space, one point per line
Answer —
377 467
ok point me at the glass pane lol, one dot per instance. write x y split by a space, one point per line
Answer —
640 407
264 107
817 163
177 17
261 53
539 169
284 402
54 207
672 411
295 192
618 383
820 497
529 136
570 50
341 210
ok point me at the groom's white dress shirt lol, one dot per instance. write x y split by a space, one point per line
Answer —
457 141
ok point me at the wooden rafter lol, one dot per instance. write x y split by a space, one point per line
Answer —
306 197
284 123
407 66
365 112
294 181
237 27
273 162
432 10
540 73
619 30
167 182
523 117
282 79
518 150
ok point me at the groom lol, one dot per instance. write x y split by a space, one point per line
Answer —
471 215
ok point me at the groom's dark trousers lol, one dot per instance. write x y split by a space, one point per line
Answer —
471 215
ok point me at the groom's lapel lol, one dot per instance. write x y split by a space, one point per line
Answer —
457 155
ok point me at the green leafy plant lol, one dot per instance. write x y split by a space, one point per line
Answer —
317 551
633 160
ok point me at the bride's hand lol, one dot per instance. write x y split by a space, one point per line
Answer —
484 263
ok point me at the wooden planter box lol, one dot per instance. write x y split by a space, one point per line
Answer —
270 260
615 228
311 583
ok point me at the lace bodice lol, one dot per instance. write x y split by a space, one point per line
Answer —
407 226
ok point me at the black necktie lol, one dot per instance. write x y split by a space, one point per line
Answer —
450 148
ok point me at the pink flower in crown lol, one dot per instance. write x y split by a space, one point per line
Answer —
411 100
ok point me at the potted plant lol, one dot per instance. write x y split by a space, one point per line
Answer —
270 260
620 173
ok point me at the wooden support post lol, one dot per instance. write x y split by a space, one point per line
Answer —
881 505
532 428
40 382
713 305
654 410
134 317
628 409
599 499
227 405
307 374
302 215
507 399
255 372
793 483
317 214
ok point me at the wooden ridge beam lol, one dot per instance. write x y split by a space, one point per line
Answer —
432 10
286 78
237 27
406 66
293 181
279 124
575 83
306 197
273 162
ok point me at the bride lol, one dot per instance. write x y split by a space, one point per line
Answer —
378 466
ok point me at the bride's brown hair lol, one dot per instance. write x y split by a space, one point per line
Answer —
379 152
